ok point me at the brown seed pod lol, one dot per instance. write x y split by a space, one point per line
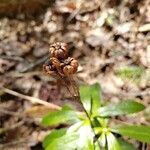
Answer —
57 65
59 50
49 68
55 62
69 66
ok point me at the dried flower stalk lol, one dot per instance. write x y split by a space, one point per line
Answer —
62 67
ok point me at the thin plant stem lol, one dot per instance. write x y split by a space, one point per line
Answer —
92 126
32 99
74 87
70 83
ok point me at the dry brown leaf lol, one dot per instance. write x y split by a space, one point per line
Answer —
38 111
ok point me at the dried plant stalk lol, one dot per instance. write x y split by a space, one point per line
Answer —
62 67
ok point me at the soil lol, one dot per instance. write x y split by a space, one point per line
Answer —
104 36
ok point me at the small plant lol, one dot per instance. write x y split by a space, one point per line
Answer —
131 73
62 67
93 129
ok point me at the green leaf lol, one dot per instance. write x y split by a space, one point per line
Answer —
85 97
90 97
52 136
95 90
103 122
125 145
122 108
112 142
130 72
97 146
66 142
102 140
86 136
75 127
66 115
147 114
141 133
85 132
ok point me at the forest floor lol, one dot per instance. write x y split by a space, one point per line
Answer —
111 41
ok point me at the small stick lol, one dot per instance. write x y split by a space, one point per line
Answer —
16 58
32 99
13 143
8 112
74 87
34 64
2 130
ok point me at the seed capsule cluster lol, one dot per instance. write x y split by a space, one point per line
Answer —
59 50
59 62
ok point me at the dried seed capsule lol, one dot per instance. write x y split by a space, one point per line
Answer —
49 68
55 62
70 66
57 65
68 70
59 50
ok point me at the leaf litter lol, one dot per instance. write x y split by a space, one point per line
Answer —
110 41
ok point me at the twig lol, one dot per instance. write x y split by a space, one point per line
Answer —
36 63
20 115
16 58
32 99
8 112
23 141
2 130
19 74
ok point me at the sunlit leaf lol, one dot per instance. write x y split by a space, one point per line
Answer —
141 132
86 136
112 142
75 127
66 115
102 139
53 136
125 145
85 132
95 90
90 97
122 108
66 142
